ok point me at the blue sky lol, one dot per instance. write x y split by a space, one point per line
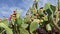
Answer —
7 6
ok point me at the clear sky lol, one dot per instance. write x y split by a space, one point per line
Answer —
7 6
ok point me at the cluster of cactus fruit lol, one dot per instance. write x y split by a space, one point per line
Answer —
37 21
44 20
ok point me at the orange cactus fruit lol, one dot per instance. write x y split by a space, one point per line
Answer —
32 18
14 15
41 10
36 20
37 14
34 11
41 20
